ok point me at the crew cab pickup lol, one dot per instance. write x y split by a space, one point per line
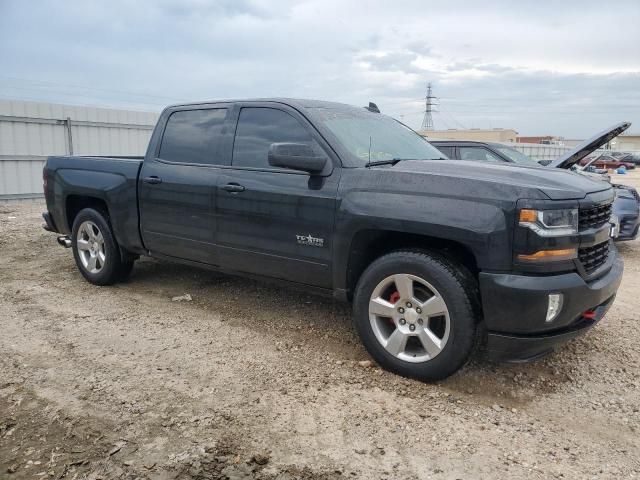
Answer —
435 256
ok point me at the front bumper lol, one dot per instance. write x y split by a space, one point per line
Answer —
524 348
515 309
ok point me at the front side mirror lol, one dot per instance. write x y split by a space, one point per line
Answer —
296 156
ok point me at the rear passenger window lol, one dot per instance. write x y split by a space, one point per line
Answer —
478 154
447 151
258 128
193 136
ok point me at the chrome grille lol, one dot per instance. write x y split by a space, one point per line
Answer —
594 217
593 257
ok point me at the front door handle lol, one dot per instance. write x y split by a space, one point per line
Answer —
233 188
153 180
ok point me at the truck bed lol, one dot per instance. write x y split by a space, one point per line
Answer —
112 180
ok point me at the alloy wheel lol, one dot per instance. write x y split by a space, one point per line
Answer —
409 318
90 244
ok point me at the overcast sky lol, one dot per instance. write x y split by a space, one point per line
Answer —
567 68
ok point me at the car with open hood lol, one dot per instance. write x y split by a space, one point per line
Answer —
626 206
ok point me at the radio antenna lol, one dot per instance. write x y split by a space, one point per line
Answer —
369 162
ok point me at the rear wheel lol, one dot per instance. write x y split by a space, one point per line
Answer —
95 249
413 312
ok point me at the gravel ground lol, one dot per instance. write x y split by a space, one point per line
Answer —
250 381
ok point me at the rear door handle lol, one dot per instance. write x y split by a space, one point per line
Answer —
233 188
153 180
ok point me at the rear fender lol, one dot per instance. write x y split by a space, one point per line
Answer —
118 192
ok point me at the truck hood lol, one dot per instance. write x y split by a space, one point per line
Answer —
555 184
589 146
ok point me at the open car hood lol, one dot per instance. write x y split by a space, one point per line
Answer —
588 146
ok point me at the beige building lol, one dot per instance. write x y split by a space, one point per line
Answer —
627 142
477 134
624 143
572 142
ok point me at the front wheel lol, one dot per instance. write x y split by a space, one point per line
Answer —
413 312
95 249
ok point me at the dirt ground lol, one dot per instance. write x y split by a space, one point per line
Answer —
251 381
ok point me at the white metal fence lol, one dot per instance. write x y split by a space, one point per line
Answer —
551 152
539 151
31 131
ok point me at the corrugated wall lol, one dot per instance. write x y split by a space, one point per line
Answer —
31 131
539 151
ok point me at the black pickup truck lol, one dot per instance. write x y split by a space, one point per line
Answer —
435 258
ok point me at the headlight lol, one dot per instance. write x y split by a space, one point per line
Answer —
550 223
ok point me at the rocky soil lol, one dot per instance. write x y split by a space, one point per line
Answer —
242 380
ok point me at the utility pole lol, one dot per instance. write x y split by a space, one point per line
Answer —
427 121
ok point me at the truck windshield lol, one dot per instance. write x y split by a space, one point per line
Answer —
518 157
372 136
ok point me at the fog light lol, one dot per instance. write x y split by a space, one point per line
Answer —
555 305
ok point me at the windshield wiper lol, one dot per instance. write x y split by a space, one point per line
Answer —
394 161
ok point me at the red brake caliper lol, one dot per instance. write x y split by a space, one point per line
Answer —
395 296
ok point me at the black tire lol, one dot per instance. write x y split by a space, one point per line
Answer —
458 295
113 269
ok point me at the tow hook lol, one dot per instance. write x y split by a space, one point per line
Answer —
65 241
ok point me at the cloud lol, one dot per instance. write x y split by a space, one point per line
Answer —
402 62
492 64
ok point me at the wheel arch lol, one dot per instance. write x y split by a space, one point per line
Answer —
75 203
369 244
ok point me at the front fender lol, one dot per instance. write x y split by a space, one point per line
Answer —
482 228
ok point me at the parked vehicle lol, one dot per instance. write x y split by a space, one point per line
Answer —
635 159
434 256
607 161
483 152
622 156
626 212
626 206
590 168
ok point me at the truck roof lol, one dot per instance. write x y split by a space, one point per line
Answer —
299 103
465 142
